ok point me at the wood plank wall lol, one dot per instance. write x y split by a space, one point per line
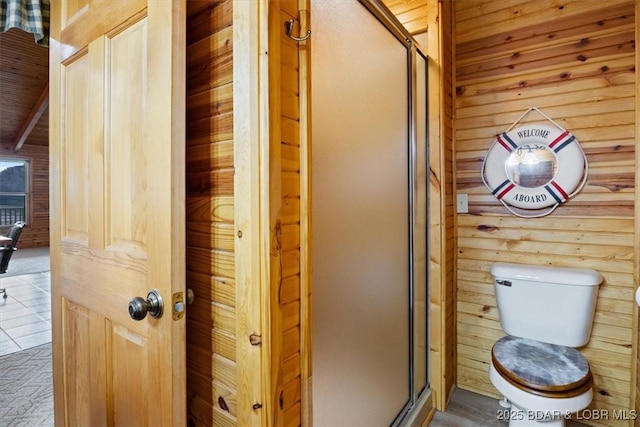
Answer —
637 214
576 61
36 233
211 320
285 187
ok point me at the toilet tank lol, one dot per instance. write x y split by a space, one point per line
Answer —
549 304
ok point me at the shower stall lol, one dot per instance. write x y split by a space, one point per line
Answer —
369 172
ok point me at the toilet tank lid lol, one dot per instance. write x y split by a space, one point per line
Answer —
535 273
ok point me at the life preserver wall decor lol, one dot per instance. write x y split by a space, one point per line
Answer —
535 166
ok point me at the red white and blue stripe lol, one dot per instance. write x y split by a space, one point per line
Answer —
557 192
562 141
506 142
501 190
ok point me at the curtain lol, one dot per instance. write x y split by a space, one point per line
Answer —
31 16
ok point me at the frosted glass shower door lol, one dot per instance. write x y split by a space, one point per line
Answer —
360 151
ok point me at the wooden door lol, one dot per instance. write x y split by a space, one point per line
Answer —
117 210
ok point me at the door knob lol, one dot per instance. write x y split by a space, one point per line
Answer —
139 307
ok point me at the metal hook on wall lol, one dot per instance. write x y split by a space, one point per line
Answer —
288 27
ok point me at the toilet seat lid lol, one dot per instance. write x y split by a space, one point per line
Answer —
541 366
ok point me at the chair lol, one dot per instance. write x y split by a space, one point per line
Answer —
7 251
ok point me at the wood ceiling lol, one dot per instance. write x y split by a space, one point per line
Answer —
24 78
24 75
411 13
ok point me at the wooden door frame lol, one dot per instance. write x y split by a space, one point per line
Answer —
251 215
306 342
284 402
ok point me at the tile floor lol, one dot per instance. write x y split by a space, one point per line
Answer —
25 315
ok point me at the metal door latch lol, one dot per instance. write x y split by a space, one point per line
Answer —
179 304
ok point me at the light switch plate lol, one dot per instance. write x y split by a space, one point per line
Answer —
463 203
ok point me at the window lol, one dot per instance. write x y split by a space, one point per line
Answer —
14 190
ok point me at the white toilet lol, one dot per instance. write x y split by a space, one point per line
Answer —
546 312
